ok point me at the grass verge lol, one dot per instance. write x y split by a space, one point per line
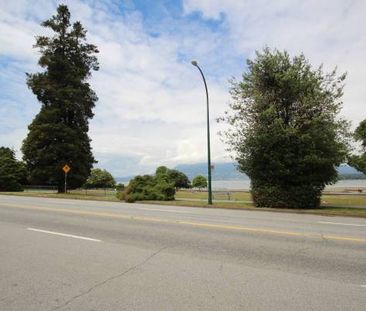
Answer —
335 205
324 210
75 196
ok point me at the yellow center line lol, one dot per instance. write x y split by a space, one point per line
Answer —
183 222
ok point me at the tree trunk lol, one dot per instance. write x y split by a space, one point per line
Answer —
61 188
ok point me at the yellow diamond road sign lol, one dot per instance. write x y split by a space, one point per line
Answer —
66 168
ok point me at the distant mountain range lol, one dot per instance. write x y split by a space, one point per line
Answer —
228 171
348 170
220 171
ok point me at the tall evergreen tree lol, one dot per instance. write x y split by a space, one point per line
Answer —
59 133
285 129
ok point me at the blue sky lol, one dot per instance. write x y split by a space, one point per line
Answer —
151 108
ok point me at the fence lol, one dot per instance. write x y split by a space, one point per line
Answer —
39 188
96 192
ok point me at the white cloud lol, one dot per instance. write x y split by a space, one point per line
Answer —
151 105
330 32
151 108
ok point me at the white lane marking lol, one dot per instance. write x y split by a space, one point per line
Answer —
364 286
340 223
161 210
64 234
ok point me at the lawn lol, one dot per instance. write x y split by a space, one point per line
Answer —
345 200
324 210
332 204
95 195
219 195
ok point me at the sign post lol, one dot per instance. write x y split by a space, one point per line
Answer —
66 169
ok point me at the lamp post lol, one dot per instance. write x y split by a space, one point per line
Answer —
194 63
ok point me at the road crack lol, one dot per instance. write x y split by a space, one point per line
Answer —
301 251
109 279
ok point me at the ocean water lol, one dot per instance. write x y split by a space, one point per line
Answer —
245 184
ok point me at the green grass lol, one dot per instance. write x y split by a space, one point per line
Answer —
332 205
73 195
344 200
177 202
222 195
347 200
325 211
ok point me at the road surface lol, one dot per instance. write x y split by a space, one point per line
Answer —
86 255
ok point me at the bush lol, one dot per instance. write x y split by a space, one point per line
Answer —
147 187
164 191
121 195
286 197
130 199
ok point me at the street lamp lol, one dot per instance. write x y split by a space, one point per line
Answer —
194 63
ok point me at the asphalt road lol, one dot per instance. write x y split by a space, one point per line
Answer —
86 255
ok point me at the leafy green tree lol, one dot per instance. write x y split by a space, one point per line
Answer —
285 131
179 179
100 179
12 172
359 161
199 182
161 170
120 187
59 133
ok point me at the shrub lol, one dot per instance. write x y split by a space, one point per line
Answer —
148 187
121 195
285 196
130 199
